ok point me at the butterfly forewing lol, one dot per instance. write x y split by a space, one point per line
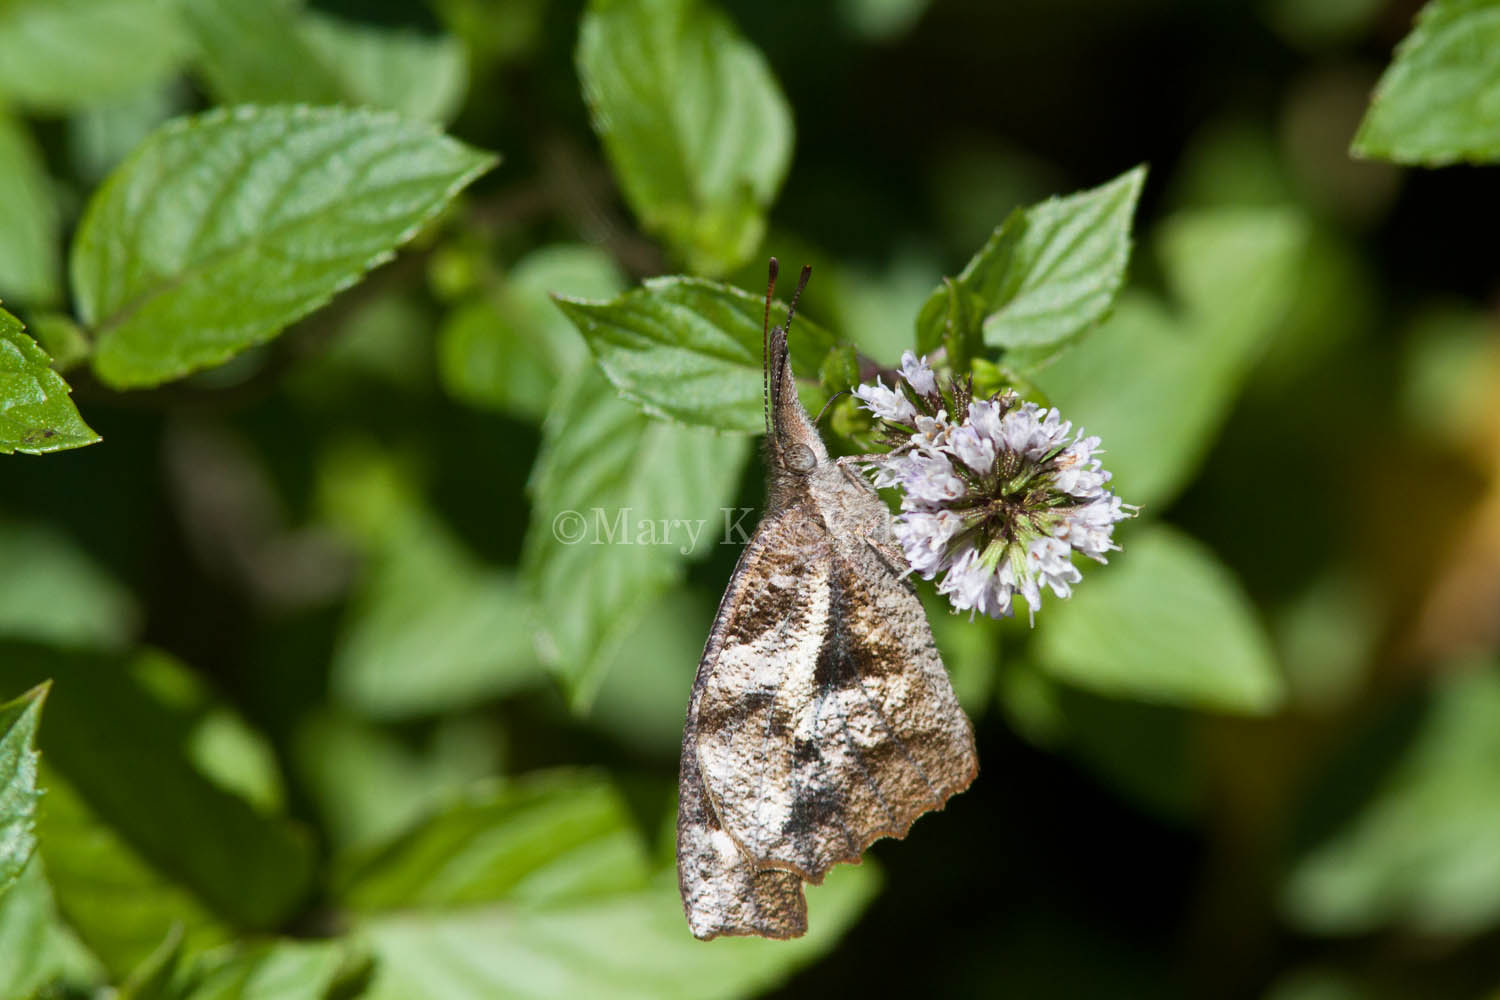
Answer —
827 720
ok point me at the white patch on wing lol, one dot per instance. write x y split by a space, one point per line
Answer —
747 767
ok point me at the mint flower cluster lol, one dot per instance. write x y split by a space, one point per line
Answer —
997 502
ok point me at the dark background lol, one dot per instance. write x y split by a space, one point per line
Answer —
1053 876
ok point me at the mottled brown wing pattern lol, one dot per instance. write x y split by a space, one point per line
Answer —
821 717
852 732
723 890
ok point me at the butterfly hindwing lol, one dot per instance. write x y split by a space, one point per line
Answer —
723 890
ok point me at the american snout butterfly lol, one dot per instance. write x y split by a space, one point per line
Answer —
821 717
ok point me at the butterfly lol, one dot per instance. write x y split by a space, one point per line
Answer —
821 717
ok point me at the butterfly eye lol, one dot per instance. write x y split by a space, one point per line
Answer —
799 458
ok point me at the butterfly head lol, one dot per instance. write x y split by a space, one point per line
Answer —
793 448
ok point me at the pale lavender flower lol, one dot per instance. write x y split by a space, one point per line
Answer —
918 374
887 404
998 503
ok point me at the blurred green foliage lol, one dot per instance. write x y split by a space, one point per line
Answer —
344 701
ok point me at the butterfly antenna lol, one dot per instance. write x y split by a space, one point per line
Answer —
801 284
765 347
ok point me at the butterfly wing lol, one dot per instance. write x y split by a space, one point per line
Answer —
827 720
724 891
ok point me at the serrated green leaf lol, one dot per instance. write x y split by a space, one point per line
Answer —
18 787
1047 274
30 219
692 120
1439 102
63 598
36 415
689 350
541 889
224 227
64 54
136 836
1417 849
1235 273
597 550
1167 623
508 351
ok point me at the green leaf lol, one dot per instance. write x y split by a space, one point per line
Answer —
35 949
641 700
30 219
105 132
1167 623
64 54
508 351
36 415
276 970
136 834
63 598
546 838
224 227
117 901
970 651
1156 387
596 550
422 77
541 888
1047 274
271 51
1439 102
634 945
18 790
1418 851
690 350
163 975
431 628
1146 753
368 783
692 120
432 631
251 51
61 338
882 20
25 917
